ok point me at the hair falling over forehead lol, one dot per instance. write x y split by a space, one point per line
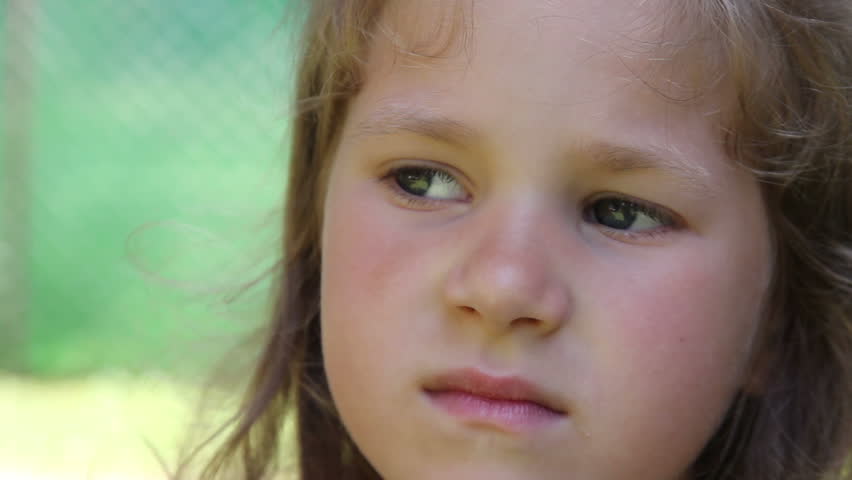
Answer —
790 65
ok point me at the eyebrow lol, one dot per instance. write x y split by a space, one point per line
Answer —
625 158
393 118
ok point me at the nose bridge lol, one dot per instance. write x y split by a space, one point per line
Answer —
509 244
507 274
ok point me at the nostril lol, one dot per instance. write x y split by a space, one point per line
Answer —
468 309
525 321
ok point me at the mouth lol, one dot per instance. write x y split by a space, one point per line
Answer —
510 404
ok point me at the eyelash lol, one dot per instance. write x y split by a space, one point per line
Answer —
668 219
415 201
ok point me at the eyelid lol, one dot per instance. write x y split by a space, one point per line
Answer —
390 171
677 222
638 237
394 166
401 163
671 220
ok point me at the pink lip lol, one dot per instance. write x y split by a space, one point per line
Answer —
508 403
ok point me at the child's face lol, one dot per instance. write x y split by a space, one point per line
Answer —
531 208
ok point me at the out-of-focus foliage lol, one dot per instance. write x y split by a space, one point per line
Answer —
156 168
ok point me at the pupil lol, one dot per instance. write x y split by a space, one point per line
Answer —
415 182
615 214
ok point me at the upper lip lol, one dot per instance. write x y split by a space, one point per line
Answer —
476 382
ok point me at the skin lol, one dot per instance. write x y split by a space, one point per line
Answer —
644 335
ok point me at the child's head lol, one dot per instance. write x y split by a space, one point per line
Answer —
640 208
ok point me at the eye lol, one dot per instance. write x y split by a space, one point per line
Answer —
427 184
632 216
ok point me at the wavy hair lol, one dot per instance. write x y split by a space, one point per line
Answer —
790 62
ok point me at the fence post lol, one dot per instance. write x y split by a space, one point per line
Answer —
15 181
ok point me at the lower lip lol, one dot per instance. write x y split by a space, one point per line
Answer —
507 415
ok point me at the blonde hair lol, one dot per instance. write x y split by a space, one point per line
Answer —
790 62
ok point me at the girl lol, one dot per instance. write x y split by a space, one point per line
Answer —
564 239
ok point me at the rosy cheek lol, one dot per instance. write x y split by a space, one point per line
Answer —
685 327
371 261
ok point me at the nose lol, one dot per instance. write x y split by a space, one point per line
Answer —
506 277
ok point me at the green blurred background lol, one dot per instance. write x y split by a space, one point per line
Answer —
142 170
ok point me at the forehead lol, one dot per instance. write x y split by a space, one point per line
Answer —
535 75
616 61
660 43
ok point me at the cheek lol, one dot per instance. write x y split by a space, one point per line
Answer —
695 313
375 305
364 251
371 277
677 343
353 242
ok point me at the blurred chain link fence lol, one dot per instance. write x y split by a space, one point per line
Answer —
117 114
17 71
